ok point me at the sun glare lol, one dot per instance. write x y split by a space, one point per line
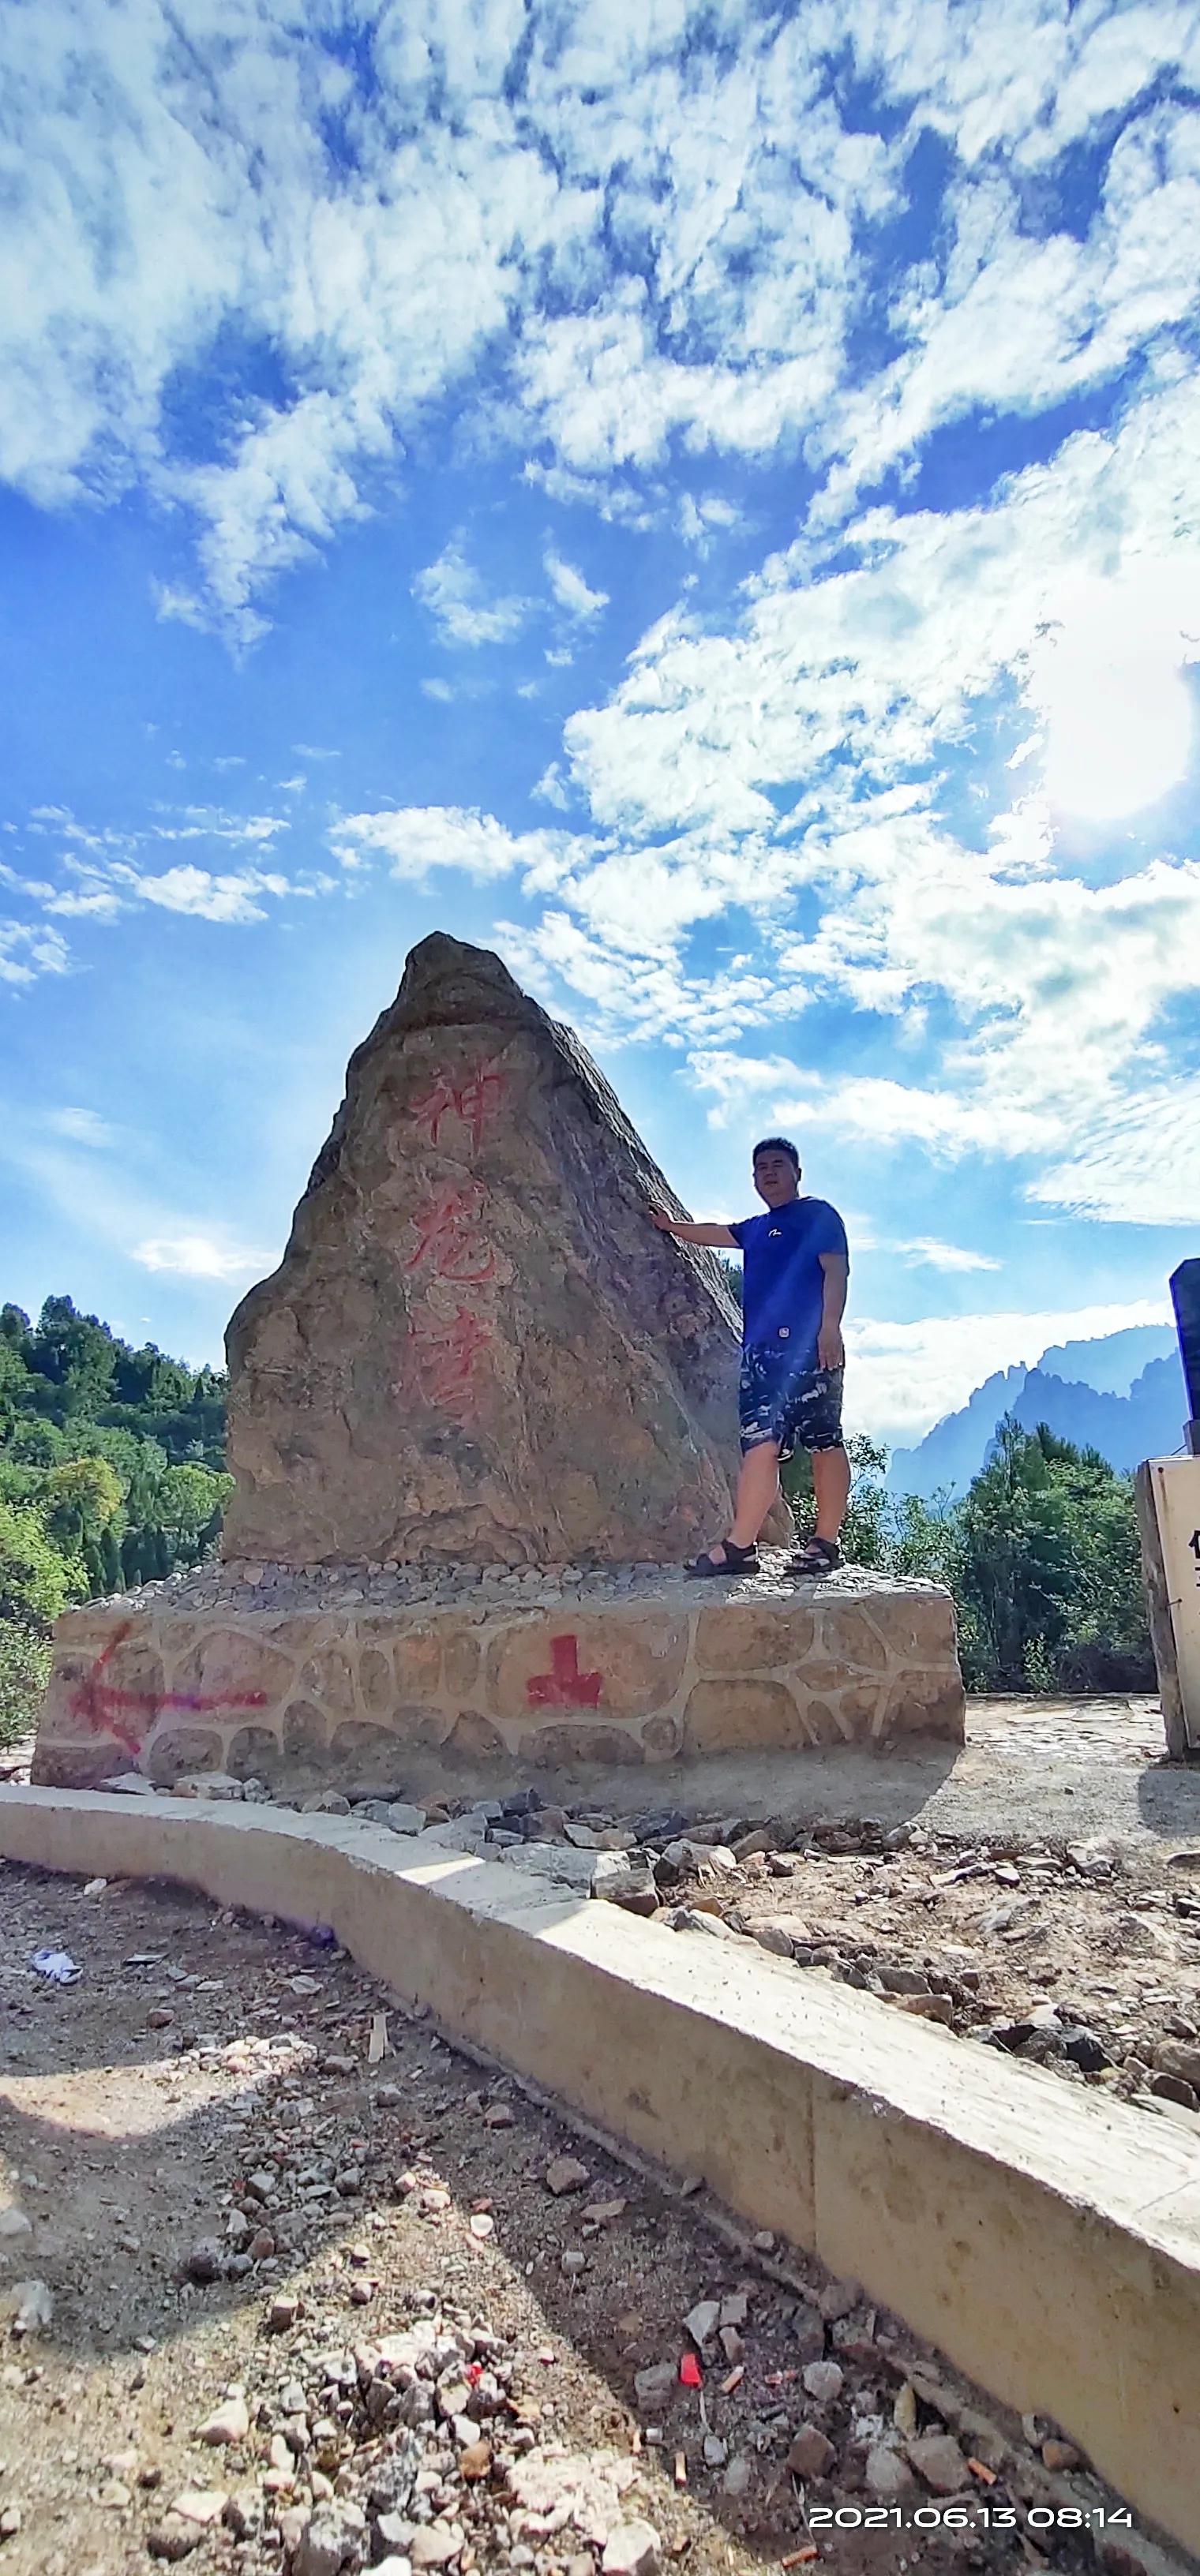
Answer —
1117 711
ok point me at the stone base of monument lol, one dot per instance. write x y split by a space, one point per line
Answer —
349 1678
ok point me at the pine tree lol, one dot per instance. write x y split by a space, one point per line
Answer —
110 1559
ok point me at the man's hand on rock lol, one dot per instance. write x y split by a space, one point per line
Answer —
665 1223
831 1350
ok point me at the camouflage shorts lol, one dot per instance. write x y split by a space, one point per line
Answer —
800 1408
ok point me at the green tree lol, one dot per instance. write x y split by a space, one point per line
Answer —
1041 1554
76 1354
80 1498
187 1498
13 1380
19 1484
1047 1569
24 1673
36 1583
38 1443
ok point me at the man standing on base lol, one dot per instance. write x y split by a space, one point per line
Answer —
796 1268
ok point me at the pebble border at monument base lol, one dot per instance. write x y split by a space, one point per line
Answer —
302 1681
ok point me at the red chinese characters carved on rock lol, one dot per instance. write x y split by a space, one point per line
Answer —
113 1711
449 1349
446 1240
473 1100
564 1686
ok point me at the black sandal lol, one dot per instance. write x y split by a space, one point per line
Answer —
817 1556
735 1560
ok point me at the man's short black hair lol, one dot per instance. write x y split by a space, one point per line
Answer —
777 1145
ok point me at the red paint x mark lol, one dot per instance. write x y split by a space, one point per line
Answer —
112 1711
564 1686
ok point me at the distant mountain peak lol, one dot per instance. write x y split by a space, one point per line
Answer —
1111 1363
1122 1394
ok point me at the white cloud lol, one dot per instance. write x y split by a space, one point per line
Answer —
670 225
661 999
571 590
458 602
91 901
614 501
107 872
902 1378
610 401
870 1109
854 682
699 519
101 1196
551 789
595 242
198 1256
926 1253
417 838
207 897
1137 1163
81 1127
27 952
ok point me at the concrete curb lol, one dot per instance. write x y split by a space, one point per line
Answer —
1047 2241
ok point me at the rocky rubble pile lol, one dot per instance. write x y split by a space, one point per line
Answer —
345 2301
238 1584
421 2448
1134 2031
414 2451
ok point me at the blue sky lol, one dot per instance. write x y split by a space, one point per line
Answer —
704 499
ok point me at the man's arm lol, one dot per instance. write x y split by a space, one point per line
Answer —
693 1233
831 1352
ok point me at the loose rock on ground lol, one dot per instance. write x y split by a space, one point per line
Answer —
276 2341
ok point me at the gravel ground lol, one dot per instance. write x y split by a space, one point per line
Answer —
272 2300
1080 1957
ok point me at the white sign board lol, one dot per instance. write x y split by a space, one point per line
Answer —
1170 1487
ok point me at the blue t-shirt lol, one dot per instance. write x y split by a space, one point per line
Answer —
783 1284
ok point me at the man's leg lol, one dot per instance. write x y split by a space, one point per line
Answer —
758 1488
831 1489
817 1426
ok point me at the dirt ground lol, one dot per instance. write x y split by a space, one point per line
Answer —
418 2353
1083 1957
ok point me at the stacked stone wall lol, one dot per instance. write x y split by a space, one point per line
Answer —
343 1693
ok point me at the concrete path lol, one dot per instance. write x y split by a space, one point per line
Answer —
1030 1767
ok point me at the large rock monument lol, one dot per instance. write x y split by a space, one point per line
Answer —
477 1349
478 1417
